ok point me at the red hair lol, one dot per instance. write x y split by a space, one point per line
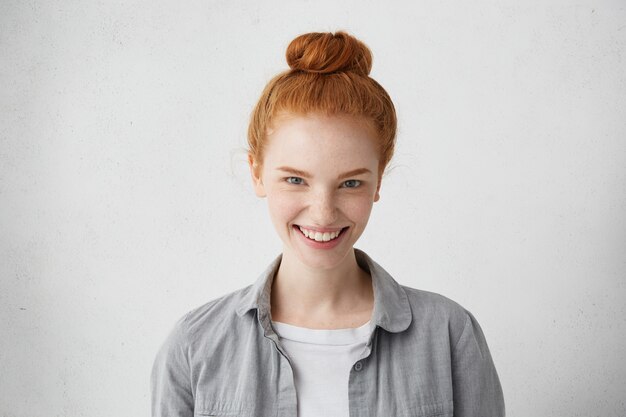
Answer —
329 74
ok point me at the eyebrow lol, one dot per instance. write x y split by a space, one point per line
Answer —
348 174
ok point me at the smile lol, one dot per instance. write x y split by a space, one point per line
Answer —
320 236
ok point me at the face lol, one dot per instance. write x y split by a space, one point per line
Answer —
320 177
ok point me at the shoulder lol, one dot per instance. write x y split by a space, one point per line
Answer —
214 318
426 302
218 311
438 313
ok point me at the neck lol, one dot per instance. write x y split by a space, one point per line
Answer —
329 298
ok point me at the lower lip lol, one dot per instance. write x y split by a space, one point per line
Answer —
321 245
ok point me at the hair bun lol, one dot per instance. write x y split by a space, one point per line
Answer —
324 53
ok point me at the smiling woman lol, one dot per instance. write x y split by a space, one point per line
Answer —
325 330
320 173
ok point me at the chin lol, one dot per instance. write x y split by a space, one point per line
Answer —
318 258
323 260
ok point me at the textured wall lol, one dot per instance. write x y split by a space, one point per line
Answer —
125 200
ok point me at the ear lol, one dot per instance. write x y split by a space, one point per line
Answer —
255 173
377 195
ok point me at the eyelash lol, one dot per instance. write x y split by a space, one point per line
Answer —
289 182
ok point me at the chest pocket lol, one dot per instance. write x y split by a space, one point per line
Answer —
207 408
223 412
431 410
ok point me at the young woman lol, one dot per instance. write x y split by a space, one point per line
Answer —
325 330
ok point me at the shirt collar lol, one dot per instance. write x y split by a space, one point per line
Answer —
392 311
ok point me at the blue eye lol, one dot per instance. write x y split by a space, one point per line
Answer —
352 183
294 180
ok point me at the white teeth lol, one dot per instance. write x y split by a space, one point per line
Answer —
318 236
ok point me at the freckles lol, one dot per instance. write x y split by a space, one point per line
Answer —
284 207
358 208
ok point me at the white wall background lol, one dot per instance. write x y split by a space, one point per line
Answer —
125 199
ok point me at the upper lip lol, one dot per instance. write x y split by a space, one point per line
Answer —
321 229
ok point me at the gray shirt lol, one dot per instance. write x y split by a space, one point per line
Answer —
427 356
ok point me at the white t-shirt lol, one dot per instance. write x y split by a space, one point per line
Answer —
321 362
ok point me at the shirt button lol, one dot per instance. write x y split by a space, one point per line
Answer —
358 366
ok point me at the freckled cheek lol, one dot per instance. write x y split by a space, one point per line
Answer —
283 209
357 209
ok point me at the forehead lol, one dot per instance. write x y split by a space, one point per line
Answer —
337 136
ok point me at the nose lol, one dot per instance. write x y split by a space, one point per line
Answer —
323 208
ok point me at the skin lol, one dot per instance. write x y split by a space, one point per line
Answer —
319 288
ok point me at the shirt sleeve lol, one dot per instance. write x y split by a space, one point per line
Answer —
170 379
476 387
